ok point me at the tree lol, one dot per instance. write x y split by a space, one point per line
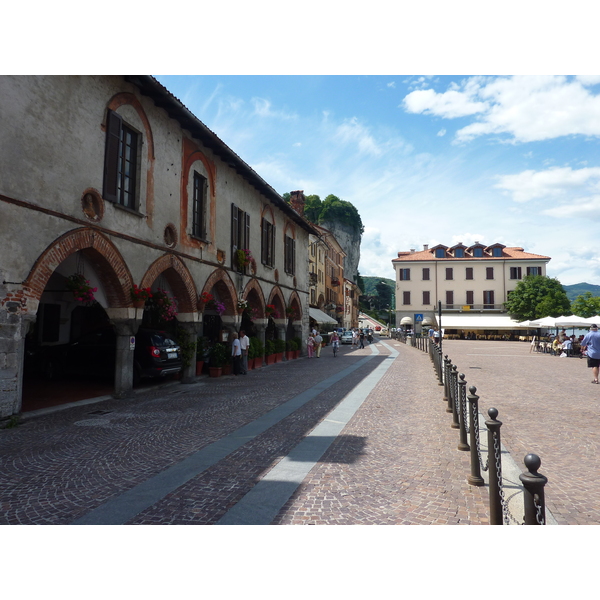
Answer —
384 295
586 305
538 296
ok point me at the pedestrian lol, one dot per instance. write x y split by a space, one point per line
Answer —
310 345
430 333
335 342
244 344
354 338
361 338
591 345
436 335
236 353
318 344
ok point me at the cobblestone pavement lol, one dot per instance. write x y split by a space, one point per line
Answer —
395 462
548 406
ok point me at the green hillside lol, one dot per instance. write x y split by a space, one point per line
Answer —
578 289
371 282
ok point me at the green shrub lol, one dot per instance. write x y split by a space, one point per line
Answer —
279 345
292 345
269 347
218 355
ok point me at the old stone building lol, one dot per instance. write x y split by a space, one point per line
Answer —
112 180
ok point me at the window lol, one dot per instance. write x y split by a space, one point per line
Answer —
470 300
120 162
426 274
426 298
449 273
440 253
405 297
489 272
459 253
289 255
449 299
478 252
267 253
469 272
534 270
488 299
240 232
404 274
198 205
515 272
497 251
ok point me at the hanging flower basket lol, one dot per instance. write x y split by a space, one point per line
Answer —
335 281
81 289
271 311
163 305
216 305
203 300
139 295
250 313
242 305
243 257
290 311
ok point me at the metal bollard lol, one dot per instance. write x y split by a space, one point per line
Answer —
475 477
446 381
534 482
462 400
495 466
454 395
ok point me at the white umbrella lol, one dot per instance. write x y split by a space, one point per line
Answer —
571 321
545 322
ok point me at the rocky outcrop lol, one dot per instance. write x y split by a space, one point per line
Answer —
349 239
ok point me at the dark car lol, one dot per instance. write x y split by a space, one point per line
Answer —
93 354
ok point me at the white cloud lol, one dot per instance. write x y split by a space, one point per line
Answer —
351 131
441 133
391 84
555 182
263 108
526 108
581 208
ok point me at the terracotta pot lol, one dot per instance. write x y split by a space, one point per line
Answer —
199 366
215 371
258 361
271 359
278 356
290 354
139 303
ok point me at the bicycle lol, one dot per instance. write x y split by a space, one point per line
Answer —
335 348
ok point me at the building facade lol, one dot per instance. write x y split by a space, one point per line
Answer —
467 280
112 179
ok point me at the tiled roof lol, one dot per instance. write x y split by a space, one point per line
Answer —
507 253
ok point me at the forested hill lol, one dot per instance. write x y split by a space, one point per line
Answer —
578 289
371 282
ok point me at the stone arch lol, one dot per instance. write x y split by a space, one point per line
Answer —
254 294
294 302
179 279
98 250
128 98
276 298
220 279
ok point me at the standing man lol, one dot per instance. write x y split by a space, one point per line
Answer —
591 343
244 344
318 345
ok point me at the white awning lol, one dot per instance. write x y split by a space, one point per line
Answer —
480 322
320 317
406 321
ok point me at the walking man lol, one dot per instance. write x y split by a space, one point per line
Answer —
318 345
244 343
591 343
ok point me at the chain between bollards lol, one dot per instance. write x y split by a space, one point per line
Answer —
462 405
475 477
534 482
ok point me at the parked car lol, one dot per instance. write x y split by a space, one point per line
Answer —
93 354
346 337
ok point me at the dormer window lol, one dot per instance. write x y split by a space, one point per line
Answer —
497 251
440 253
478 252
459 253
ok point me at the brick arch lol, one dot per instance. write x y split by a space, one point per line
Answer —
289 226
179 278
276 298
268 209
220 279
296 303
127 98
98 250
253 291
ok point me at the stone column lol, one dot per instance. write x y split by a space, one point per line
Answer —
261 328
126 322
281 325
193 325
299 333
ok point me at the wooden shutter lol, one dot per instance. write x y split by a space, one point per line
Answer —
234 232
111 156
247 231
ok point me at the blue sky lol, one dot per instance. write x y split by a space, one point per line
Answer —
426 159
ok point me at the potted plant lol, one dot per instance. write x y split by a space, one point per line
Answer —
242 305
271 311
290 312
258 350
201 350
216 305
298 344
218 356
187 345
243 258
139 295
203 300
279 350
163 305
270 352
291 347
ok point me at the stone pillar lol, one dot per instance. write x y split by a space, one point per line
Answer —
14 325
126 322
261 328
281 325
299 333
193 328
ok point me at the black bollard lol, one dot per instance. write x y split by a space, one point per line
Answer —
462 400
533 499
495 466
454 394
449 385
475 477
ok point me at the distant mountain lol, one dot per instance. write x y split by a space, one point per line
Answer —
578 289
371 282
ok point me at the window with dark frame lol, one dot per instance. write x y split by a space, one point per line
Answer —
404 274
425 274
470 298
405 297
488 299
198 205
469 273
267 253
449 299
515 272
120 162
449 273
478 252
240 233
290 255
534 270
426 298
489 272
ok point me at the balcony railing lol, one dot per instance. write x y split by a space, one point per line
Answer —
473 307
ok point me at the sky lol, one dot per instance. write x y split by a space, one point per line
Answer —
435 159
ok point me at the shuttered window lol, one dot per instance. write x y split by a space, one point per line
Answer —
120 162
240 233
426 298
198 206
290 255
267 254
